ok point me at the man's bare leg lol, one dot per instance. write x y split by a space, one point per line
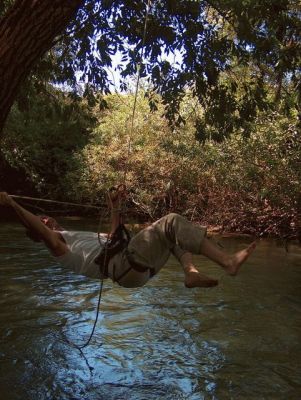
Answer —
193 278
230 262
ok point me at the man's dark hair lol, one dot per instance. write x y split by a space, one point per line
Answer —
50 222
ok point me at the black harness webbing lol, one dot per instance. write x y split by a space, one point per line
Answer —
118 243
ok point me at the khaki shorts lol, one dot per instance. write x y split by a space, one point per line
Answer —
152 247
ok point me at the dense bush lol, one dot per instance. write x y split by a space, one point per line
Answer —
246 184
44 130
249 184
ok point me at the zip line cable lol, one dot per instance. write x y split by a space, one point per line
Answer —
56 201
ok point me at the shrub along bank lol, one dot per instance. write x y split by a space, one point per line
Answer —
245 184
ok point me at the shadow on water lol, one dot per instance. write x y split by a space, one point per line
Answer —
240 340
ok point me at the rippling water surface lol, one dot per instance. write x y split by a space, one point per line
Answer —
240 340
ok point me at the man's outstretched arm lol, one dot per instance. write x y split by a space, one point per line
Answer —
115 198
33 223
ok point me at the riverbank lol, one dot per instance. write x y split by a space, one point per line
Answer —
278 227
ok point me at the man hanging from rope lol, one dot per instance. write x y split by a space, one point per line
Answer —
134 262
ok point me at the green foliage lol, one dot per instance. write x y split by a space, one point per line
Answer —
257 183
226 76
4 5
251 185
43 131
213 38
208 39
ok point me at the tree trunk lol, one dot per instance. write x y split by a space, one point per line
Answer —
27 31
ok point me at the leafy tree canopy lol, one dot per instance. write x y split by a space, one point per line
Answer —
211 38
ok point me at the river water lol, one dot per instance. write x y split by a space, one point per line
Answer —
240 340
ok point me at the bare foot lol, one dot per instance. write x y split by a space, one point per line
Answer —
195 279
238 259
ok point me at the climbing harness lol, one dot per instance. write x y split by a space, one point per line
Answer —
114 245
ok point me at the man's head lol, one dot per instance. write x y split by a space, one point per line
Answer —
50 222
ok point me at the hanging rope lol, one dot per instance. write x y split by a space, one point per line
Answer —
130 138
96 317
124 177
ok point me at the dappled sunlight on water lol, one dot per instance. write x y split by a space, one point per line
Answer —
240 340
